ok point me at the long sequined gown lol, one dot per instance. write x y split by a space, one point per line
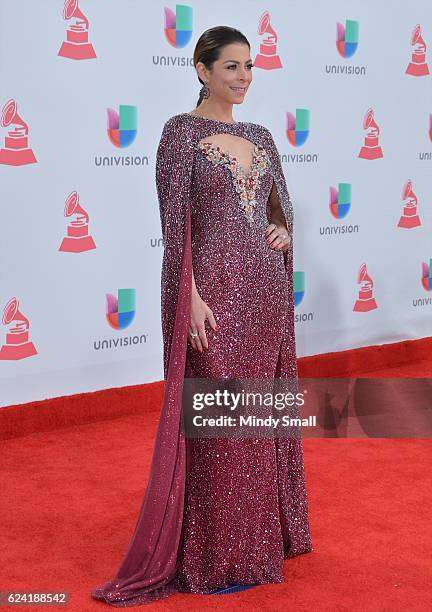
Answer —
218 511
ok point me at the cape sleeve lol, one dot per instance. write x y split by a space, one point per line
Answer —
174 162
148 569
287 209
282 192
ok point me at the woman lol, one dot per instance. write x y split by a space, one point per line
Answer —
219 511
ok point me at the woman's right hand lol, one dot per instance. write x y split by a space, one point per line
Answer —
199 313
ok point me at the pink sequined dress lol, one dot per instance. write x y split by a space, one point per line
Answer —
218 511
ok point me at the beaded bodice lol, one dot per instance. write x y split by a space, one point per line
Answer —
246 183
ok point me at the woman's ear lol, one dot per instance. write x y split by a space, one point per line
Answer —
201 71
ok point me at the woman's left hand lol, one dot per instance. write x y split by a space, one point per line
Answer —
277 237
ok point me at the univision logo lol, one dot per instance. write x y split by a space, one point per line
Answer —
347 38
427 155
297 127
299 291
122 125
299 286
297 132
122 131
178 25
426 279
120 309
340 200
339 207
120 312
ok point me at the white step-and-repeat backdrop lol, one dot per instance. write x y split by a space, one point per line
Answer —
85 88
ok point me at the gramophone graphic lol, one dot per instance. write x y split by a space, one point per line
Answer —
267 57
365 300
417 65
409 217
16 151
77 239
76 46
18 345
371 148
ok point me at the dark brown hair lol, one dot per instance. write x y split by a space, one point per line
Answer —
209 45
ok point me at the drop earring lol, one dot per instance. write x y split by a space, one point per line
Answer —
205 91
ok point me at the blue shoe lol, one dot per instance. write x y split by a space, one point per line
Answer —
233 588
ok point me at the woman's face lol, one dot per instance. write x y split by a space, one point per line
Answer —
231 74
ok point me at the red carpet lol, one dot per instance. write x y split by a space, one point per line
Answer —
66 519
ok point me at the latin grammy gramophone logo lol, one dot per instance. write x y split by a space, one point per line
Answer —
122 125
409 217
365 300
426 277
17 345
15 151
120 309
77 239
178 25
77 45
347 38
340 200
299 286
297 126
371 148
267 58
418 65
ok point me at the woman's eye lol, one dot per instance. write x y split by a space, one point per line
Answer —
234 66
